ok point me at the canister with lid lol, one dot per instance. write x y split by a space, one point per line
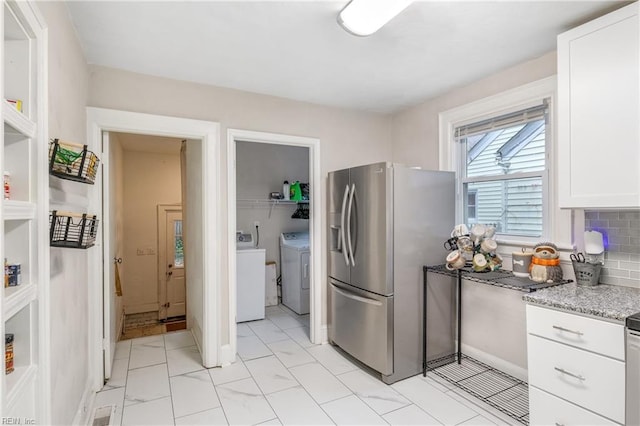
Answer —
7 185
8 353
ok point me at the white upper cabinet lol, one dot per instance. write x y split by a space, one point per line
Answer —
598 111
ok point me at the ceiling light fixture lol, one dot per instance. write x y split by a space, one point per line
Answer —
365 17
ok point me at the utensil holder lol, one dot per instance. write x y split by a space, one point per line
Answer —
586 273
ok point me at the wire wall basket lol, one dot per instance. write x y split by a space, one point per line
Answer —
72 161
72 230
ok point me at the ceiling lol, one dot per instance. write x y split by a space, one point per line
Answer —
296 49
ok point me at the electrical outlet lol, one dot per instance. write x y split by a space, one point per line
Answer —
256 224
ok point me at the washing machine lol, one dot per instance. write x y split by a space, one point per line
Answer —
294 257
250 279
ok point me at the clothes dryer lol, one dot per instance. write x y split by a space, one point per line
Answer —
295 260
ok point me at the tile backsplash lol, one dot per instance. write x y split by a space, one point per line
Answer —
621 230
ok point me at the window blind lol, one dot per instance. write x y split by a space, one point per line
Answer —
520 117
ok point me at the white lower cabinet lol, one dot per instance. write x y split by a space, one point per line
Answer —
551 410
569 381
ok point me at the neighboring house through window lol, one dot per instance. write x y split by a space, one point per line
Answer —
472 200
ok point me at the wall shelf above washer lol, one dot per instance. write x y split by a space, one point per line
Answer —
256 203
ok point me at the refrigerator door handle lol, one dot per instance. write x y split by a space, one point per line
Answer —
353 192
341 231
358 298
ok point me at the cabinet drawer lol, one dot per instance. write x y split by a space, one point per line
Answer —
581 377
585 333
546 409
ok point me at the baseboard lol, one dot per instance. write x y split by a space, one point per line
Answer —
324 334
495 362
120 325
227 355
196 332
85 407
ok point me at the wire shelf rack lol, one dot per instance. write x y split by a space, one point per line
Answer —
499 278
494 387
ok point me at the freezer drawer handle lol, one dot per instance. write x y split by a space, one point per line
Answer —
559 424
344 207
575 376
358 298
579 333
633 340
353 191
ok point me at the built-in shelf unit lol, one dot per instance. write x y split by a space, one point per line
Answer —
24 308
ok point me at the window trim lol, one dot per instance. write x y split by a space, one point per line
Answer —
557 226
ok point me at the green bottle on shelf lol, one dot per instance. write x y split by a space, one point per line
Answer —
296 191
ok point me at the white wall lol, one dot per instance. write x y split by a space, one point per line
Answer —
347 138
68 90
415 130
493 319
261 169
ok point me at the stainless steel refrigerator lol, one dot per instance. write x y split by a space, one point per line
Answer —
386 221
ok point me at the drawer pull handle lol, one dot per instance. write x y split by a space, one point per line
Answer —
576 376
559 424
579 333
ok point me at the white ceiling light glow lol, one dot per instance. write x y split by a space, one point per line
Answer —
365 17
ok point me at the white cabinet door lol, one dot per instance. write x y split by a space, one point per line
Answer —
547 409
598 111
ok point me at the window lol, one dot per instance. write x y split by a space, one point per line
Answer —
178 246
502 170
472 199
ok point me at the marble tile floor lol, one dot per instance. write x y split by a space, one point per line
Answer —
279 377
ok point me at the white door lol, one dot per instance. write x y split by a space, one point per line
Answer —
109 247
171 265
174 272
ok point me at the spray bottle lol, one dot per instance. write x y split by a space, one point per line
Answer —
286 190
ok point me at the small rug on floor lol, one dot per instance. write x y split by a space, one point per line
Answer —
177 325
147 330
140 326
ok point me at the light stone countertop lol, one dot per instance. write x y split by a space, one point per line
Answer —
606 301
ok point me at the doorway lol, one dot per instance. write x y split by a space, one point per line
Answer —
203 313
146 174
317 332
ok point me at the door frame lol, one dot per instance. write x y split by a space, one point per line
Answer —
318 335
99 120
162 210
